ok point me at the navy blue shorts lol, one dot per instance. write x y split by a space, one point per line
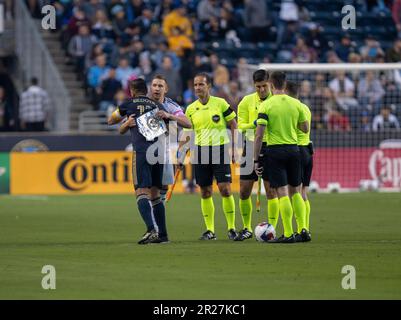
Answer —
145 175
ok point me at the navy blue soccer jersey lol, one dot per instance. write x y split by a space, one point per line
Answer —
137 107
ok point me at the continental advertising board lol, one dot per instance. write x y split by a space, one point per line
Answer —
106 172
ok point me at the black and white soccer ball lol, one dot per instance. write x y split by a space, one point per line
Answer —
264 231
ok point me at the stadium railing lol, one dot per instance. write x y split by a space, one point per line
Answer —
35 61
355 148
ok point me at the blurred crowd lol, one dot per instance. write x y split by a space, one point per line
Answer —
112 41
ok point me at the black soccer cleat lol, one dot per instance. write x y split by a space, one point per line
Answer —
232 234
243 235
283 239
305 235
159 240
208 235
148 236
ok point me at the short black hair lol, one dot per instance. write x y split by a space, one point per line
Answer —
277 78
34 81
292 88
206 76
260 75
139 86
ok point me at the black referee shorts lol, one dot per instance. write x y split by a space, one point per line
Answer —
247 161
283 165
213 163
306 164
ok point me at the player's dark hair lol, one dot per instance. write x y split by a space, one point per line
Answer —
292 88
34 81
206 76
277 78
260 75
139 86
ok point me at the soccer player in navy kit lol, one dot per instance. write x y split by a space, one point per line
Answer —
147 177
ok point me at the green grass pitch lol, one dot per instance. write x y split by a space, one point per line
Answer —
91 241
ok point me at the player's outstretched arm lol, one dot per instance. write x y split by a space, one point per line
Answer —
181 119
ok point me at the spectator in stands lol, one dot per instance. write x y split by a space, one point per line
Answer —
130 34
108 88
34 8
134 9
34 107
173 78
337 121
234 95
344 92
212 31
371 49
189 94
393 54
301 53
226 22
385 120
96 74
102 27
91 9
179 43
78 19
220 73
162 51
177 18
5 111
345 47
207 9
153 38
257 19
370 92
305 92
366 125
145 20
317 41
119 21
162 9
80 46
288 14
396 13
123 72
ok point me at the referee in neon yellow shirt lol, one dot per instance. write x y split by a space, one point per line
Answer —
306 150
247 116
210 116
282 115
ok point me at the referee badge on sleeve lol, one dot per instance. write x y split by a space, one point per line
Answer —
216 118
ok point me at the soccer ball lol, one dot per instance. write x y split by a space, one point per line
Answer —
264 231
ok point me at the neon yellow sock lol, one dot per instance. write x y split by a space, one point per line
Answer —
299 210
273 211
229 211
286 215
245 207
307 207
207 207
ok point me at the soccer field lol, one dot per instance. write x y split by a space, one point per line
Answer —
91 242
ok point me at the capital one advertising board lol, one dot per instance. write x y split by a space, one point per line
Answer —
348 166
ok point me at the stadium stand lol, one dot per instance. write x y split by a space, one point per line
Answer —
94 37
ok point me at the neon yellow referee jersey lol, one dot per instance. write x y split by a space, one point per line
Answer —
209 121
248 113
281 114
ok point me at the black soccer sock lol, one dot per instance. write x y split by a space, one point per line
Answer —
145 210
159 213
